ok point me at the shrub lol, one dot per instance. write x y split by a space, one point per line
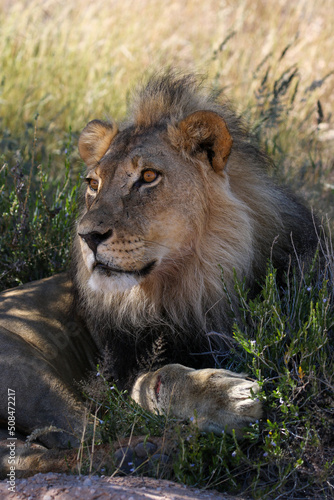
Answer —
36 219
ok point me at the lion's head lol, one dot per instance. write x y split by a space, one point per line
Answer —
173 194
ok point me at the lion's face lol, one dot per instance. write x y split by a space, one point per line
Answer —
145 206
169 203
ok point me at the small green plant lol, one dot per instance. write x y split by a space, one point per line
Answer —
209 461
37 216
118 414
284 339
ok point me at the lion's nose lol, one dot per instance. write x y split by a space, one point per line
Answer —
94 238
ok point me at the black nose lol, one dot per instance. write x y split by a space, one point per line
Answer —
94 238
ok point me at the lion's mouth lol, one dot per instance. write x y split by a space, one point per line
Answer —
110 270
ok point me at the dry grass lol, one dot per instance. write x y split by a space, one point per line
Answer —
74 60
68 59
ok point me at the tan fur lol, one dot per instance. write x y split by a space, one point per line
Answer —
43 352
95 141
220 399
207 127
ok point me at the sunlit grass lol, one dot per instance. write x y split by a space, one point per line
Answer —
72 61
69 59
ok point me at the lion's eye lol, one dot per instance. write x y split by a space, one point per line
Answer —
149 176
93 184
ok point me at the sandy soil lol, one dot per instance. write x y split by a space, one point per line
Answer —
53 474
53 486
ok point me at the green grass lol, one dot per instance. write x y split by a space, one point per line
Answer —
36 219
65 63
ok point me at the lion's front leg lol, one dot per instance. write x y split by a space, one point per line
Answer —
222 400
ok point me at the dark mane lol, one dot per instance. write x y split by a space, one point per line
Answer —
170 97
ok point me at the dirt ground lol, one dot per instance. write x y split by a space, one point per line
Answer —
53 486
53 474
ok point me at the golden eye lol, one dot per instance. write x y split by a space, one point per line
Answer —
93 184
149 176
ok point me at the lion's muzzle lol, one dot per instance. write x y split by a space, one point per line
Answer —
94 238
109 270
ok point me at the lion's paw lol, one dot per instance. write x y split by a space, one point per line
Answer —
221 400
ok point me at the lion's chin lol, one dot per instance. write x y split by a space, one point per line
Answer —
115 283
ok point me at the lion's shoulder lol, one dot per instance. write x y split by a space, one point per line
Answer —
39 316
47 297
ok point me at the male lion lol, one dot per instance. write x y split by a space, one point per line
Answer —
175 192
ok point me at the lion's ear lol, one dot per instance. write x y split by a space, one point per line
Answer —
204 131
95 140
